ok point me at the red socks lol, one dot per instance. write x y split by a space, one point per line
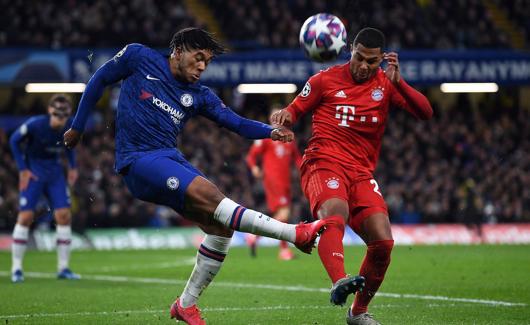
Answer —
331 250
283 244
373 269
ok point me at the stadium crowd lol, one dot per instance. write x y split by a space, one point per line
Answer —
407 24
466 165
250 24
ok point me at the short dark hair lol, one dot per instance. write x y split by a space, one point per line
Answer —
371 38
60 102
193 38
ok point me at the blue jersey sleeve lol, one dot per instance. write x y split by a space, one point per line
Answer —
216 110
15 140
119 67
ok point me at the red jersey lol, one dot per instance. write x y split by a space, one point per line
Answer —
349 118
276 161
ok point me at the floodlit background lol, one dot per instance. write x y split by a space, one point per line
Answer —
457 186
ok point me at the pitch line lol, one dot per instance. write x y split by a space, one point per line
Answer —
127 279
206 309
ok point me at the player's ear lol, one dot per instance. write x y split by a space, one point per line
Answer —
177 52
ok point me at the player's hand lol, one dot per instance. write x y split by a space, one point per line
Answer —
282 134
256 172
71 138
392 70
72 176
282 118
24 177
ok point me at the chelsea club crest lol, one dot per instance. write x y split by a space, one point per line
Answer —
186 100
172 183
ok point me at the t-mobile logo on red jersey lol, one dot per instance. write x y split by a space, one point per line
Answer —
344 114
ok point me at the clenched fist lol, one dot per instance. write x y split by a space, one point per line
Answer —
71 138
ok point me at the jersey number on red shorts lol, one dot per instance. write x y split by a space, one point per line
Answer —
376 186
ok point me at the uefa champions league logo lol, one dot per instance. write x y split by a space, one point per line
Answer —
307 89
186 100
172 183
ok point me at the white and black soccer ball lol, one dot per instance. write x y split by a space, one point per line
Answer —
323 37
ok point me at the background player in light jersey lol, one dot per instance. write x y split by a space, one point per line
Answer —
350 105
37 147
276 161
158 96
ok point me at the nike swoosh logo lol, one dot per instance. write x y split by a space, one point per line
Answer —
149 77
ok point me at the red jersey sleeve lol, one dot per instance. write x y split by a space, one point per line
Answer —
256 150
307 99
411 100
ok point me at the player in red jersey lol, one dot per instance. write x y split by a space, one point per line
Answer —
276 162
350 105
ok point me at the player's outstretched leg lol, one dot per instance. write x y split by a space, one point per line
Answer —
210 257
237 217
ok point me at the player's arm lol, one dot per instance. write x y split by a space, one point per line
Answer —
15 140
217 111
72 166
405 96
255 151
119 67
306 100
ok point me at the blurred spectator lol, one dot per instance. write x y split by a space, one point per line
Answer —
100 23
252 24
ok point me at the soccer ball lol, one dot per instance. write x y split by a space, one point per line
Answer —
323 37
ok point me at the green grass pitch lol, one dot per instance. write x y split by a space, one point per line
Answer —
424 285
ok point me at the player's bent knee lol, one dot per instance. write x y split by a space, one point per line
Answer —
25 218
62 216
334 207
376 227
202 195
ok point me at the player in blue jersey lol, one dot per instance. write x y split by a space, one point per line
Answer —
37 147
158 96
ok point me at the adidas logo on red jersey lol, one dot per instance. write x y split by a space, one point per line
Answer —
340 94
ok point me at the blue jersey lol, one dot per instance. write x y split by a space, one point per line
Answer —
153 106
38 147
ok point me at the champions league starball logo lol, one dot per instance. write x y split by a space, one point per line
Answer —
172 183
307 90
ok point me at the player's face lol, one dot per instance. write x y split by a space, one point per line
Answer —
190 64
364 62
59 115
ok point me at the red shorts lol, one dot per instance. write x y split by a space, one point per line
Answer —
277 196
323 180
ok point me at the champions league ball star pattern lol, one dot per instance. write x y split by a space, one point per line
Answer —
323 37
